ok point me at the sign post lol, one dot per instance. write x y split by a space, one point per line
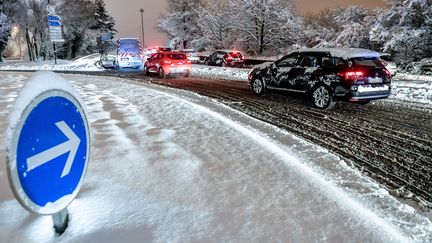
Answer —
55 32
48 147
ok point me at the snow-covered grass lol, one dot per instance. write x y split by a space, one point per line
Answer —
87 63
172 166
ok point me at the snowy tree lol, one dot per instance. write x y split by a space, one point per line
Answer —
355 24
404 29
104 22
340 27
265 24
217 29
320 29
4 33
78 17
181 22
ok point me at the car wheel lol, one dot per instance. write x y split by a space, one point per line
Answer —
161 73
322 97
258 86
206 62
146 71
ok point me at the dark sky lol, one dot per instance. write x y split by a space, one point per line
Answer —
128 17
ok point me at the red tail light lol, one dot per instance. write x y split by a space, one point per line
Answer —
229 58
352 75
387 72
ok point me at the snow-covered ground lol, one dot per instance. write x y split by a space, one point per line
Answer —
172 166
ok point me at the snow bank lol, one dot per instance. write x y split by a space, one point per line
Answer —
214 72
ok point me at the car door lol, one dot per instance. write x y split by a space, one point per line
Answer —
213 58
303 72
281 71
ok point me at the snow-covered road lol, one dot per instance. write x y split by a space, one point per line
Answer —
171 166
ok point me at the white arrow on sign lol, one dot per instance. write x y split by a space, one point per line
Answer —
54 152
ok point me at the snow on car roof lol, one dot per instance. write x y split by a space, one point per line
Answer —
344 53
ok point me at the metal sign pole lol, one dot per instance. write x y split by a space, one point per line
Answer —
61 221
55 54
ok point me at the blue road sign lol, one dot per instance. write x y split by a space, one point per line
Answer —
105 37
54 18
51 152
54 23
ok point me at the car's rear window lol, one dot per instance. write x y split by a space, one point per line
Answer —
366 62
177 56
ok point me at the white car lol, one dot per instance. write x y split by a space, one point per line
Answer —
389 63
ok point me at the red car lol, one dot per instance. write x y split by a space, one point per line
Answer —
168 63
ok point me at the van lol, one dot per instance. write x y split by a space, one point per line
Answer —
129 53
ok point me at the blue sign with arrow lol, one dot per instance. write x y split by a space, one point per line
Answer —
50 152
54 23
54 18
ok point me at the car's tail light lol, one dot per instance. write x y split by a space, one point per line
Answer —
229 58
387 72
352 75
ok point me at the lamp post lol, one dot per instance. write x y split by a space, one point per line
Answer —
142 27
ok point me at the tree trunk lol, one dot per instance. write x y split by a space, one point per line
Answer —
29 46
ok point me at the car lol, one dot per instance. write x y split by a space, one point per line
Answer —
327 75
108 61
389 63
225 58
168 63
129 53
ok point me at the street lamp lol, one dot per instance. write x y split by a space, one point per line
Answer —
142 26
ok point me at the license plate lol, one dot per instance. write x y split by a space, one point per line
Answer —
370 88
124 59
375 80
236 59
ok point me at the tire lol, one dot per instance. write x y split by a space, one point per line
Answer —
146 72
161 73
258 86
322 97
206 62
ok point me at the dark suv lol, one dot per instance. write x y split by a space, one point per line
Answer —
327 75
225 58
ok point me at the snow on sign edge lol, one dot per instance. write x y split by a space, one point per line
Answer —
40 83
